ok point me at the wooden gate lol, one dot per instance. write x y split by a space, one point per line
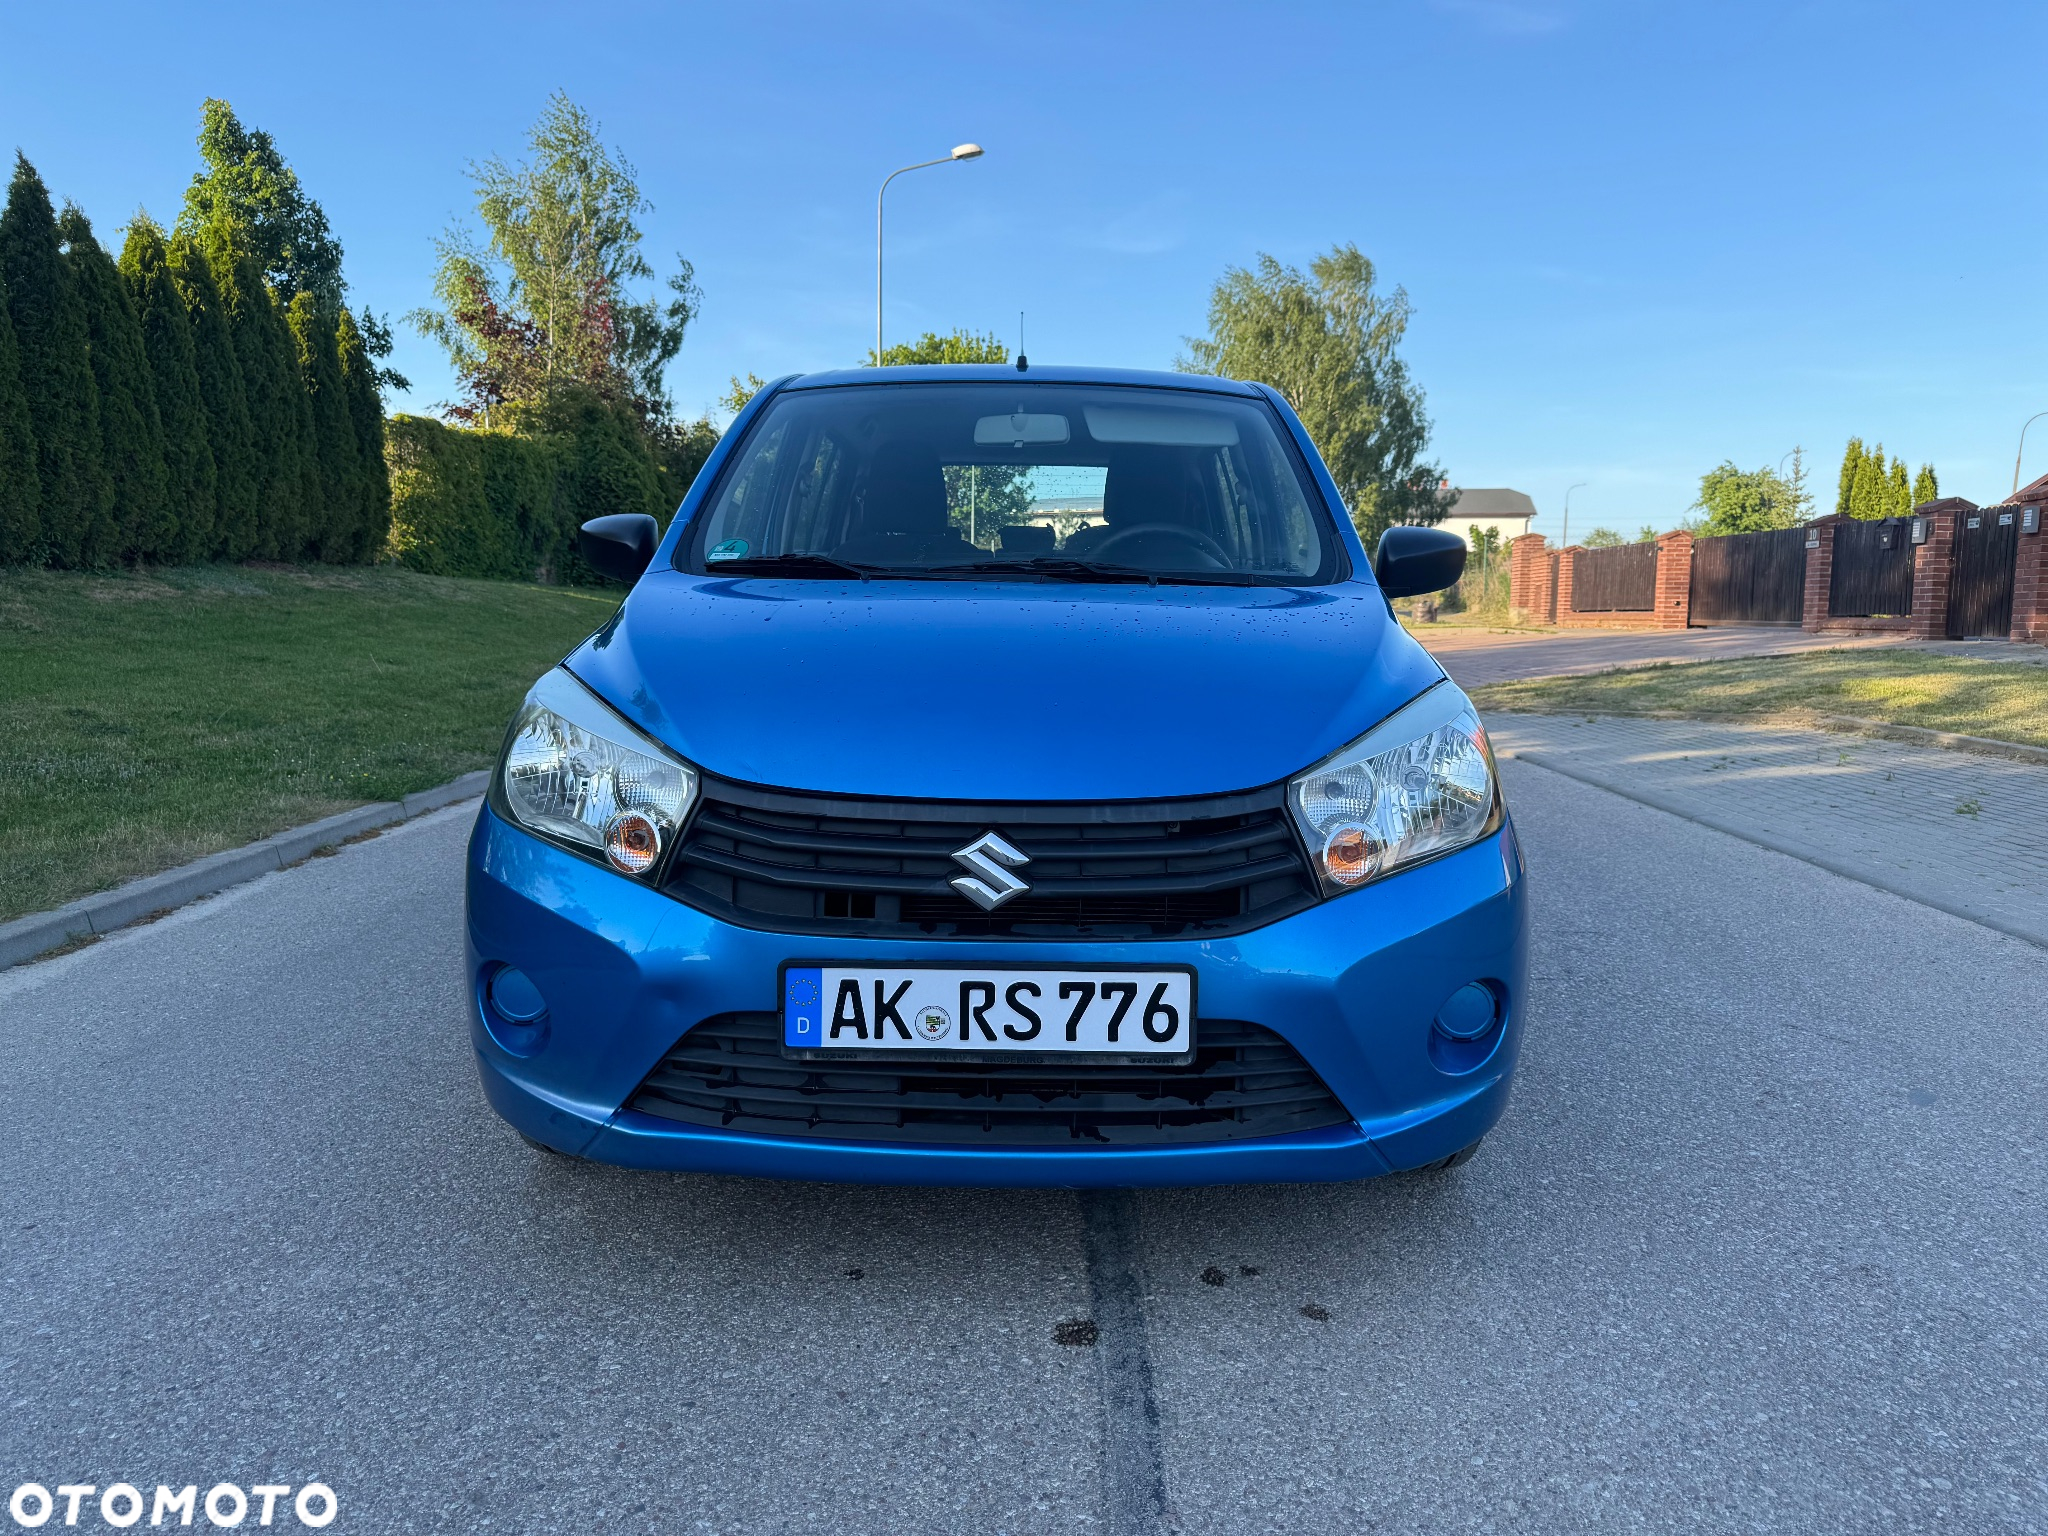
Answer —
1621 579
1873 572
1750 578
1980 581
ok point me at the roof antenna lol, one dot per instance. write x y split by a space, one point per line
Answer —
1023 362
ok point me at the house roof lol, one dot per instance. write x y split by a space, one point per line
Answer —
2038 491
1494 502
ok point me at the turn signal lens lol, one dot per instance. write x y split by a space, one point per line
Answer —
1351 856
1419 784
632 842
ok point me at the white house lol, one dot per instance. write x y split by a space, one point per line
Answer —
1509 513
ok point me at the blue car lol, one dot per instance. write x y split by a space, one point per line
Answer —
1002 777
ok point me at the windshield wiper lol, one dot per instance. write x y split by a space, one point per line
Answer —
1092 570
792 565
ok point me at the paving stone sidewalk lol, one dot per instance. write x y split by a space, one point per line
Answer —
1965 833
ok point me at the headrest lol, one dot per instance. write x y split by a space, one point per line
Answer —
906 492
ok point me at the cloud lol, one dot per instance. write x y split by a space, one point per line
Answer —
1508 18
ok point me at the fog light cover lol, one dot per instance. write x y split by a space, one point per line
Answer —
1419 784
1469 1012
514 997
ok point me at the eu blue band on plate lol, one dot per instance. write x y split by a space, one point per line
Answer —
803 1006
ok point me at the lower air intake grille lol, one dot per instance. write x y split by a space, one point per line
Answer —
729 1073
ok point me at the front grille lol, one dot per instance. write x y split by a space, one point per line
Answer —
729 1073
829 864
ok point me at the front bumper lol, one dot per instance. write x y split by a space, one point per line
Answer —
1353 984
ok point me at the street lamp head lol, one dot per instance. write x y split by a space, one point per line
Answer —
966 151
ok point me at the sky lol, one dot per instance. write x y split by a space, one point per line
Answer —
1638 238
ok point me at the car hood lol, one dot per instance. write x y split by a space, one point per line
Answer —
1002 691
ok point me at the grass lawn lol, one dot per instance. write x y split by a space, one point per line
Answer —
147 719
2004 700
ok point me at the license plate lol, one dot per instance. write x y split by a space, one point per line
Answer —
1144 1012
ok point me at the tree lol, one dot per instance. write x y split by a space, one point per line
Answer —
1899 500
360 378
336 533
1800 499
248 187
1646 534
1852 464
546 301
279 412
230 430
1600 538
191 483
1926 487
740 391
1327 341
954 347
20 486
1743 500
56 374
131 435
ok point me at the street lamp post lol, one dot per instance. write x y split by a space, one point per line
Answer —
2023 449
960 152
1566 541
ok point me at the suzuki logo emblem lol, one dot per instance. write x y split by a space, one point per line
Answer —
991 858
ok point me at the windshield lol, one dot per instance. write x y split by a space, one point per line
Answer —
1039 482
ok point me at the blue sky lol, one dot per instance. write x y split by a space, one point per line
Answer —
1639 238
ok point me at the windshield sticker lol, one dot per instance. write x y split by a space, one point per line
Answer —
731 549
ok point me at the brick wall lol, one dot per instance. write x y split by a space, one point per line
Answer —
1932 564
1674 581
1820 571
1529 578
2030 580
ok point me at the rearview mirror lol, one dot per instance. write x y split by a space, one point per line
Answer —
620 546
1416 560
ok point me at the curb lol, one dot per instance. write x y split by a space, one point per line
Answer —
1921 736
91 916
1790 847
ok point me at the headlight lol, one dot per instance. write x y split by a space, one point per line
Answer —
1418 784
576 771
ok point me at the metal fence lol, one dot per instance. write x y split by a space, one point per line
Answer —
1873 570
1749 578
1980 581
1620 579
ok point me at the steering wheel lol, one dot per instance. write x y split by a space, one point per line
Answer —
1193 536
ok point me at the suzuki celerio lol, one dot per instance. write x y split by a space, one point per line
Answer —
1002 777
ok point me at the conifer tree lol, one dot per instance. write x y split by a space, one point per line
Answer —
191 483
20 486
270 376
1926 487
230 432
56 375
1852 462
1869 497
1898 491
131 435
338 534
359 379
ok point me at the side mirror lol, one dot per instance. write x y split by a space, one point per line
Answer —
620 546
1416 560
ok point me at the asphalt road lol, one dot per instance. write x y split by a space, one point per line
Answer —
1757 1248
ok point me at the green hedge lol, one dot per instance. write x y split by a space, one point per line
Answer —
506 504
